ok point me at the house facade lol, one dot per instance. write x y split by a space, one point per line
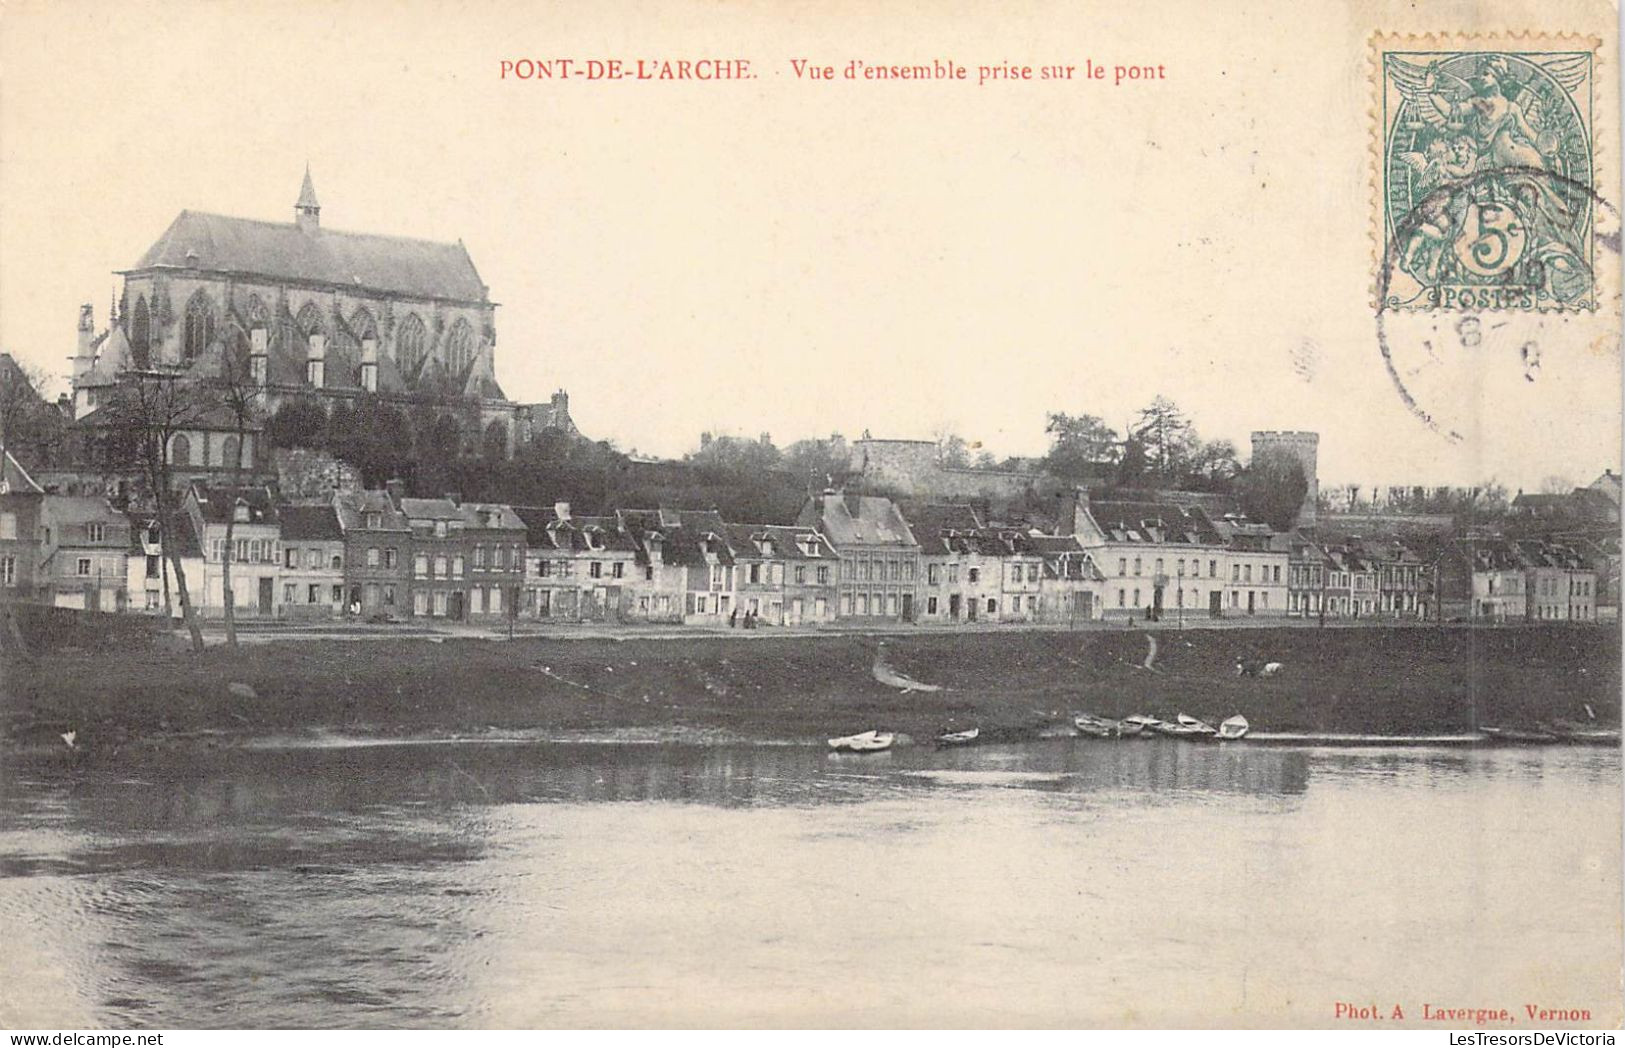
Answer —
879 557
150 580
785 576
313 578
255 552
377 554
83 554
1157 559
20 502
577 569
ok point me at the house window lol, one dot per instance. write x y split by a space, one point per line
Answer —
1247 572
595 570
420 603
1212 569
496 600
1032 573
1275 573
439 566
716 576
930 605
313 594
290 556
479 558
823 576
389 595
1015 574
1122 565
500 557
544 568
8 526
440 603
801 574
457 566
152 565
1122 599
755 574
1159 566
389 556
420 566
338 594
477 600
372 556
1136 565
439 529
699 604
972 574
96 532
649 573
374 520
953 574
618 570
84 565
8 571
992 606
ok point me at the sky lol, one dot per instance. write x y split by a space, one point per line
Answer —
799 258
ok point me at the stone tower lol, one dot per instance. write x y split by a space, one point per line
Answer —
1305 447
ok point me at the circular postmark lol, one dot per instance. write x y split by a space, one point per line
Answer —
1516 288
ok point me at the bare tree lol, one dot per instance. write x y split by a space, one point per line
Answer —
234 390
148 410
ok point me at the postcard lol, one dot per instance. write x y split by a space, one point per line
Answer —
771 514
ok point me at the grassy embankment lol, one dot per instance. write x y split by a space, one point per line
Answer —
807 688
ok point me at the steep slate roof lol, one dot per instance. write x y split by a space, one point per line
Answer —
1154 522
545 530
932 522
858 520
681 531
787 542
310 524
491 516
16 479
282 251
431 509
352 509
217 503
186 545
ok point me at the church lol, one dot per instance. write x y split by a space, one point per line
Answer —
317 313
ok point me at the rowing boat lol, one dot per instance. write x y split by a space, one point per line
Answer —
863 742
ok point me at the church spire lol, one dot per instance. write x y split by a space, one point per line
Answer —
307 212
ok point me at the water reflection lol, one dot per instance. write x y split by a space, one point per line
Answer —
550 884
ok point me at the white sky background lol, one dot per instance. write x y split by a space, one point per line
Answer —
790 257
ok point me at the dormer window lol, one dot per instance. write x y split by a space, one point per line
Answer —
239 512
375 520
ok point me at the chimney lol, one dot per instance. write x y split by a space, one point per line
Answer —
395 488
258 357
84 357
561 510
316 360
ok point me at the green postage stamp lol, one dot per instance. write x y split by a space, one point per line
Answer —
1487 172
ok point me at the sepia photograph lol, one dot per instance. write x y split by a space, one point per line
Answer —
773 514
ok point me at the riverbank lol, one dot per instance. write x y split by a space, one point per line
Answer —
1402 680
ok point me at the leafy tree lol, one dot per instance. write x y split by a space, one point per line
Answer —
1131 469
1272 488
1167 435
297 423
1213 464
1079 445
818 462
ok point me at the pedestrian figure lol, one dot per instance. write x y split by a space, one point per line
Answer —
732 615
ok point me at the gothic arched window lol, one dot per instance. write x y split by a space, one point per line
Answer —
411 343
199 331
231 452
310 320
180 450
362 324
140 334
459 348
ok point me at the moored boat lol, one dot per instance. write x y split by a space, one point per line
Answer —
863 742
1233 728
1140 723
1198 727
959 738
1096 727
1583 734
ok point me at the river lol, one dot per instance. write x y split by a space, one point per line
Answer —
1054 883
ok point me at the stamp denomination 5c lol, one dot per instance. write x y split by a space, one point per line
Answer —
1487 165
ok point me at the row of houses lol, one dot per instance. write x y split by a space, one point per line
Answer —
382 554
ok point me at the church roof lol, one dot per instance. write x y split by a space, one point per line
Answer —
307 192
282 251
